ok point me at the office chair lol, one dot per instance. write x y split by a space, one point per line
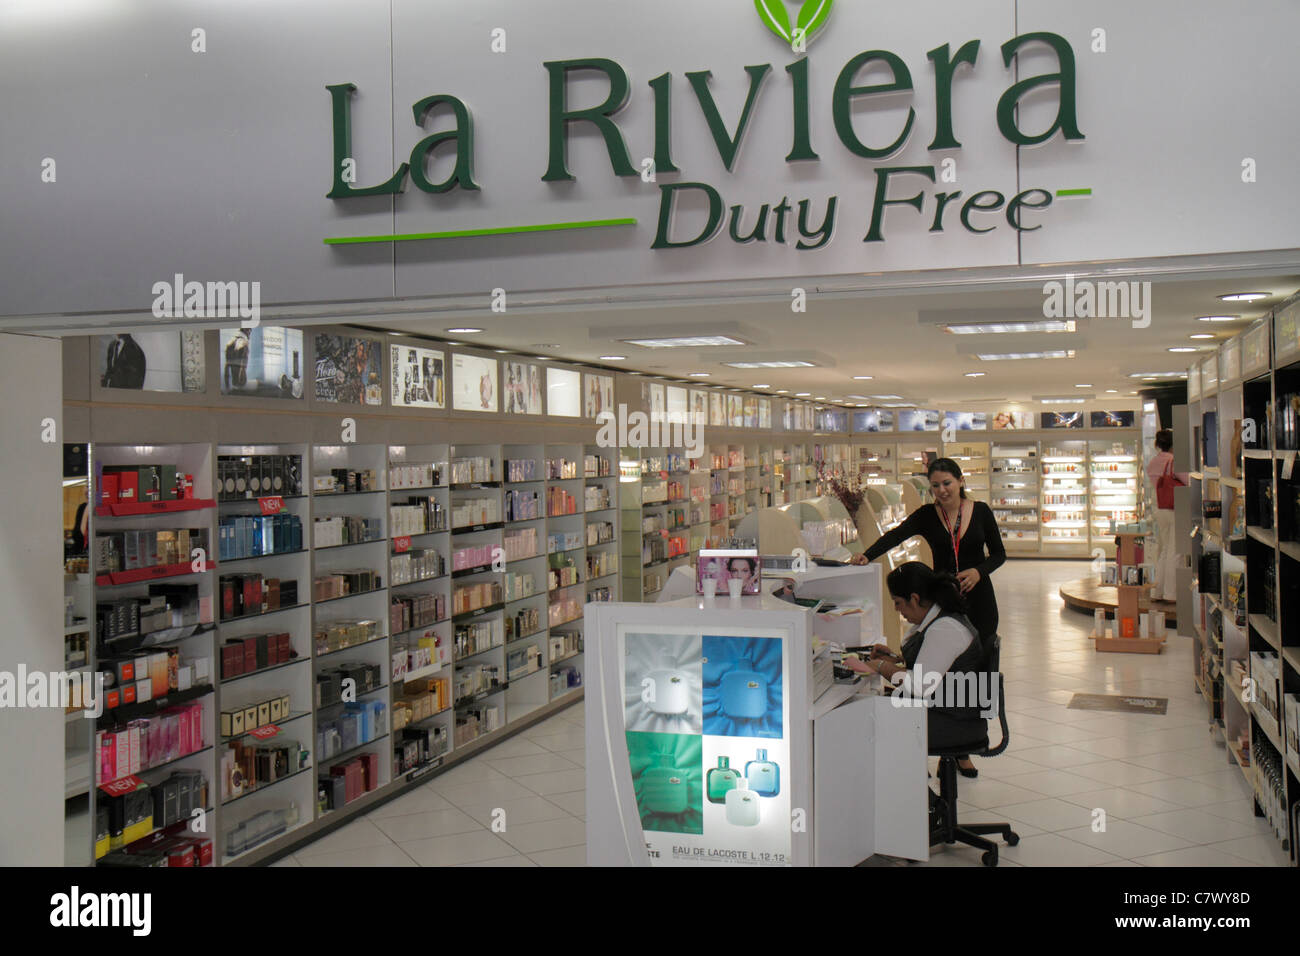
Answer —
944 826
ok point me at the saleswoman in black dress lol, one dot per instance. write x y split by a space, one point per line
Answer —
959 531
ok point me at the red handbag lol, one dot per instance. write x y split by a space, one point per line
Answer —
1165 486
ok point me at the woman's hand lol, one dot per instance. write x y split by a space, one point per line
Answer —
859 559
857 665
881 652
968 579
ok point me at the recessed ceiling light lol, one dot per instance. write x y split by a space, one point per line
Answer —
685 342
974 374
1184 348
502 351
782 391
468 330
1062 401
1009 356
762 386
819 398
613 358
887 398
1112 391
1084 386
1156 375
455 343
993 328
862 378
1202 335
1217 318
802 394
542 358
543 345
769 364
1243 296
699 375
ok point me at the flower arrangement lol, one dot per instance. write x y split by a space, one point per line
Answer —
848 491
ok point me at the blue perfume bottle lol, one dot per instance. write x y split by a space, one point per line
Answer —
763 775
663 787
744 692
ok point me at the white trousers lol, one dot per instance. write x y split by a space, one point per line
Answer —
1165 584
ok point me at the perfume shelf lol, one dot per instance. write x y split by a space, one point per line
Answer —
132 711
153 507
136 575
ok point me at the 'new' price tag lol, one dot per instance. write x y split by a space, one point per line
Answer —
271 506
127 784
263 733
401 544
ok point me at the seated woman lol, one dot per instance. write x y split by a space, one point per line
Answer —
942 641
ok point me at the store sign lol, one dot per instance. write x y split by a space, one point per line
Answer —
272 505
805 223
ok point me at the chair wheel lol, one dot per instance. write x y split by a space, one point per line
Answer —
1013 839
990 858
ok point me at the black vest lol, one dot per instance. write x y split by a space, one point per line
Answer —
965 670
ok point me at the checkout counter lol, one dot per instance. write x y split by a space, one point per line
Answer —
717 734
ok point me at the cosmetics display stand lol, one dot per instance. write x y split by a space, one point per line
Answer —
1127 637
851 767
1242 438
1013 495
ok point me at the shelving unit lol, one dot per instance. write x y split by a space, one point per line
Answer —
1064 498
1245 495
1013 494
1115 489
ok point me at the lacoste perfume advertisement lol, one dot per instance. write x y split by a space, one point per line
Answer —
717 793
662 684
742 687
667 772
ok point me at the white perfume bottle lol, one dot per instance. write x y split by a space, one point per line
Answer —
669 688
742 805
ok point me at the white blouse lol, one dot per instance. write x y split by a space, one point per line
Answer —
943 643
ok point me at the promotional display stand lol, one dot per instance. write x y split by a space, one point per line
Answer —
750 768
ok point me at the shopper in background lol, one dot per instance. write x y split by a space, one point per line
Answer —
963 536
1161 472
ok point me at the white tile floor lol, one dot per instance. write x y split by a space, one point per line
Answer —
1166 788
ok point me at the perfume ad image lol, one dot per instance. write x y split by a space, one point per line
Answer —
668 779
742 686
265 361
662 684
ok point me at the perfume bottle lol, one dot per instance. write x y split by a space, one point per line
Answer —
763 776
721 780
742 805
744 691
669 688
663 787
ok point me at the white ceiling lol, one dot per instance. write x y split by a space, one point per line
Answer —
890 337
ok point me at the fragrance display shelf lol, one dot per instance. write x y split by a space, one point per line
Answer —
352 751
228 681
146 508
415 581
478 569
280 725
263 787
427 671
321 655
478 612
350 544
478 528
158 766
227 562
112 579
1266 629
462 658
318 495
1290 549
1266 535
422 627
348 597
524 637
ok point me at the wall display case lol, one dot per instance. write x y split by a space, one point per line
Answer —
1013 494
1115 486
1064 497
1247 562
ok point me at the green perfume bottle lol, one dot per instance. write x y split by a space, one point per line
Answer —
663 787
721 778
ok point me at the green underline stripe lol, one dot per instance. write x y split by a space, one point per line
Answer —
492 231
1074 192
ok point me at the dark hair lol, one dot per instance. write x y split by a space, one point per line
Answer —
946 465
936 587
1165 439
